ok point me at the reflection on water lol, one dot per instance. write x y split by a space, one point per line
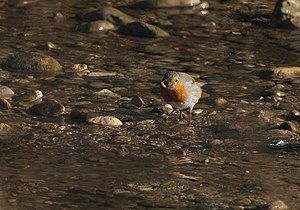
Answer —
221 160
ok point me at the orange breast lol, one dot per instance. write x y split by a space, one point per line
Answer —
177 94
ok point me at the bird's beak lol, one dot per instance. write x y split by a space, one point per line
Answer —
167 84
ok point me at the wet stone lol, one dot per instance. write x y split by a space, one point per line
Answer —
29 96
6 92
47 108
142 29
103 120
99 26
4 104
32 63
110 14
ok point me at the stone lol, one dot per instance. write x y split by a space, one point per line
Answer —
99 26
294 115
110 14
4 104
32 62
166 3
103 120
28 96
166 109
291 126
79 67
278 205
287 13
220 101
281 72
107 93
142 29
47 108
137 101
6 92
102 74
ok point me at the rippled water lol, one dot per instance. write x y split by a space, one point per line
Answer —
56 163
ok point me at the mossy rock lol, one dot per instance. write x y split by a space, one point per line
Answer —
32 63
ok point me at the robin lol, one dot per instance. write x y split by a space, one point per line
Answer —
181 91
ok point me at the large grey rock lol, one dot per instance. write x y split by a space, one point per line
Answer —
32 63
287 13
142 29
110 14
166 3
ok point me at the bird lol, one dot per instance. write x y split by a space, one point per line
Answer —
181 91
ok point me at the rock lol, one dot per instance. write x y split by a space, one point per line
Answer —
197 111
79 67
99 26
110 14
4 104
29 96
51 46
287 13
294 115
291 126
137 101
166 3
166 109
32 63
47 108
278 205
103 120
281 72
102 74
220 101
142 29
6 92
107 93
4 129
9 135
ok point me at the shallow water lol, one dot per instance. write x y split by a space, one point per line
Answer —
57 163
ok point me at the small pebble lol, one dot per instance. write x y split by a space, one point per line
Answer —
166 109
220 101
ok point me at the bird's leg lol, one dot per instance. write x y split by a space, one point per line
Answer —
190 113
173 111
180 114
